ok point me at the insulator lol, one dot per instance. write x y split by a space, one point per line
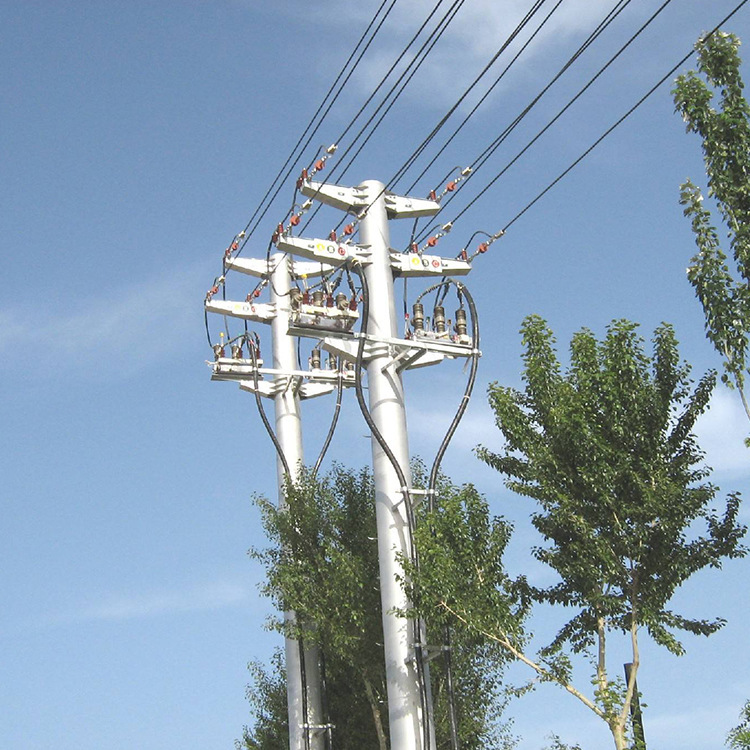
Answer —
294 220
315 359
483 247
461 327
305 297
218 350
414 247
295 297
438 319
319 164
349 229
432 241
330 302
353 303
417 316
318 298
332 362
332 236
433 195
342 301
237 351
451 186
349 366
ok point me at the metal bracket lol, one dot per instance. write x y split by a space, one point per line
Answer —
257 312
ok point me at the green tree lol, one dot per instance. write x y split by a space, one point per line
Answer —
725 140
323 563
739 737
267 697
606 451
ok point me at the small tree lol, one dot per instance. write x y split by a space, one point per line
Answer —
739 737
725 135
323 564
606 451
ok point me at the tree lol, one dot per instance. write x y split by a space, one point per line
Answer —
606 451
725 135
739 737
323 564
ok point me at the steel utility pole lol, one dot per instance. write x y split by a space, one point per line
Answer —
409 699
307 728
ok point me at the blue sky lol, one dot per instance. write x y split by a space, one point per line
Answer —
136 140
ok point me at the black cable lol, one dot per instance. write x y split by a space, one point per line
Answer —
662 80
422 146
411 69
484 156
334 421
567 106
296 149
407 499
484 97
264 418
303 681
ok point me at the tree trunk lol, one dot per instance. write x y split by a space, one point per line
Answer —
377 718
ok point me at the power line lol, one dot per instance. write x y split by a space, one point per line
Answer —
661 81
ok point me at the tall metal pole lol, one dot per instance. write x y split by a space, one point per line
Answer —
386 404
301 691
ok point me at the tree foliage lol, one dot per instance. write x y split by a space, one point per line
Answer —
739 737
323 564
607 452
725 140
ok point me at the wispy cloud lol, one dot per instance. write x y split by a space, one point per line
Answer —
120 331
721 433
147 604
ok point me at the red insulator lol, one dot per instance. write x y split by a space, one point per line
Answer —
234 245
414 247
353 302
294 220
483 248
432 242
332 236
464 255
451 186
330 301
256 293
349 229
320 164
305 297
274 238
433 195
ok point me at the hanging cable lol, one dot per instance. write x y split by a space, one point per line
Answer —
609 130
422 146
408 73
567 106
417 624
356 56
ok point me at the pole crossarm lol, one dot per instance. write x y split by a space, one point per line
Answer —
358 199
254 311
263 269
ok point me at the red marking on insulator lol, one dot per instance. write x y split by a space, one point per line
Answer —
332 235
433 195
214 289
414 247
451 186
320 164
234 245
483 248
349 229
432 242
294 220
